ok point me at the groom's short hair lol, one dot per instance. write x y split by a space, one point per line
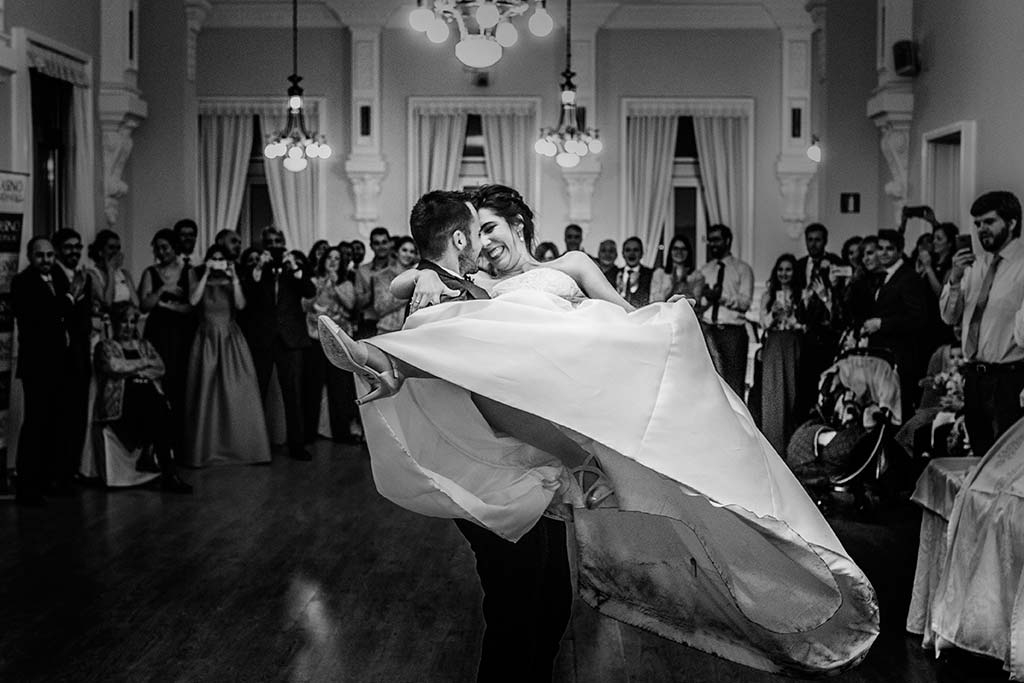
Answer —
435 218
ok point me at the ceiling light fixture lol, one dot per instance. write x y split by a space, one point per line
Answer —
485 26
295 143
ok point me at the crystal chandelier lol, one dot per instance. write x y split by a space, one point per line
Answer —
569 142
485 26
295 143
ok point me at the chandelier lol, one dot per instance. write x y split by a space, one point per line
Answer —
570 141
485 26
295 143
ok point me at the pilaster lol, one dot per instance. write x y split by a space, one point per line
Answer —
365 166
195 14
793 169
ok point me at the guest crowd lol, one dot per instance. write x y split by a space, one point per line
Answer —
178 368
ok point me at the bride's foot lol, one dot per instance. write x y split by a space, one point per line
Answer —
360 358
593 482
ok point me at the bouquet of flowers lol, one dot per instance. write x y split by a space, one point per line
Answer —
949 385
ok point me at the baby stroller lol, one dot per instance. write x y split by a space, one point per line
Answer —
848 442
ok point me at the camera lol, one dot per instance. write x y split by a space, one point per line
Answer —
218 264
915 211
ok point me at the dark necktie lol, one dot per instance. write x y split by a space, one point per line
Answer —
719 280
973 335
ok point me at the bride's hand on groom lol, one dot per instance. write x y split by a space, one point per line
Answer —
429 291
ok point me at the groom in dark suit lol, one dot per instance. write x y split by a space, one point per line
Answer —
527 587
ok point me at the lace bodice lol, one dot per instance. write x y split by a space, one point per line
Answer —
543 280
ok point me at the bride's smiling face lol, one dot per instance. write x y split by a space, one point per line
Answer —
501 244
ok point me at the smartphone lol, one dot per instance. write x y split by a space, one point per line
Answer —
842 271
963 242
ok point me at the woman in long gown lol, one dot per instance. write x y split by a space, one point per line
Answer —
781 313
708 539
224 421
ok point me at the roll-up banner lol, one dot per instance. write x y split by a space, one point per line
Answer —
13 198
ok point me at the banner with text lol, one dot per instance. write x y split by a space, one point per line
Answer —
13 196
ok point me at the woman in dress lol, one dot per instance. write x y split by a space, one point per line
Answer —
390 309
111 281
163 294
851 254
335 297
708 539
546 251
224 414
130 399
317 251
683 279
781 318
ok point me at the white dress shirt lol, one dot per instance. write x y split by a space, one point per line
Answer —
737 290
1001 339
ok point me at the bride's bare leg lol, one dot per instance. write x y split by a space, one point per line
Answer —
530 429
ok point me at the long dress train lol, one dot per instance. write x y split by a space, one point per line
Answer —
711 542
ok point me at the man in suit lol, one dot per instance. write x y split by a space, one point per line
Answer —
821 338
76 280
527 586
277 329
41 305
899 314
638 284
818 258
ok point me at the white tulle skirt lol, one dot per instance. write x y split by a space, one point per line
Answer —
712 541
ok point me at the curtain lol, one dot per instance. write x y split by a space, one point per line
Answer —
650 144
83 170
292 195
225 141
722 150
437 150
508 149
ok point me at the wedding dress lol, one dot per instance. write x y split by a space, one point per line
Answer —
709 541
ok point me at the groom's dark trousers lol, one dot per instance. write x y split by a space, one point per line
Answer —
527 586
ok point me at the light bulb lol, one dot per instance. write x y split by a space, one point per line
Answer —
487 15
295 153
540 22
814 152
438 31
506 35
270 151
294 164
478 52
551 149
313 150
295 102
421 18
567 160
325 150
596 146
540 146
282 149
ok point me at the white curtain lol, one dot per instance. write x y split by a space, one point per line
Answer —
650 144
225 142
83 165
722 150
508 149
437 150
292 195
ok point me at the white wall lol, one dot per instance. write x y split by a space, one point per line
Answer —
972 60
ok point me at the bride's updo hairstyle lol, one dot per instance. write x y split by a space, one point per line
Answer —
508 204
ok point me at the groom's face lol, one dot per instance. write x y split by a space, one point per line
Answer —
471 250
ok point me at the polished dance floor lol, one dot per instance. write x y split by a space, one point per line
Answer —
300 571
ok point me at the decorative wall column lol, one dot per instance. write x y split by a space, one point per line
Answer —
793 169
365 165
891 106
121 106
195 14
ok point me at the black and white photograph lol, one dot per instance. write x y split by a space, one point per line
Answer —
511 341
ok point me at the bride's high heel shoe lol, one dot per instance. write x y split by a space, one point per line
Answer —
599 490
348 354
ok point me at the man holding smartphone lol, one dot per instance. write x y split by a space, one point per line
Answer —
984 295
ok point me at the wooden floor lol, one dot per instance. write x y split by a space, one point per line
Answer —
300 571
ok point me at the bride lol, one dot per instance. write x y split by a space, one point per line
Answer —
695 530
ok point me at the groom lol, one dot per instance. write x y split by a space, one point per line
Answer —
527 587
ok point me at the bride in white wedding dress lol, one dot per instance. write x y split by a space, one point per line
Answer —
708 539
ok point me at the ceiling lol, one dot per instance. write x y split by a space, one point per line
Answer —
594 14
